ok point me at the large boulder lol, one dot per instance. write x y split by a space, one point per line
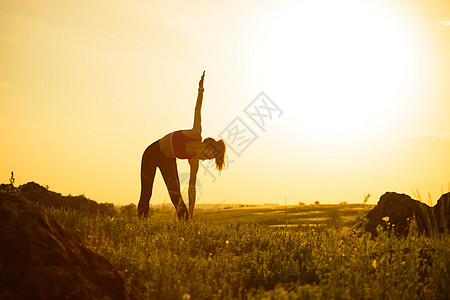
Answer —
441 212
396 211
39 259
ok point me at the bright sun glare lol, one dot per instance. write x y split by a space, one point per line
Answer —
340 64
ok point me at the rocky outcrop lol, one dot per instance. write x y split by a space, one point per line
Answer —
441 212
39 259
396 211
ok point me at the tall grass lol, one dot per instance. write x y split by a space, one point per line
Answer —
163 258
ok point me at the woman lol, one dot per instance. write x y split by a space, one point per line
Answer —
181 144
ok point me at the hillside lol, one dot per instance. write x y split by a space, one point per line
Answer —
43 196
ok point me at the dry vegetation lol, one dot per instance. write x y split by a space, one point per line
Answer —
239 253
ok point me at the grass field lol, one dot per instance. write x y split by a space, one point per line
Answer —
300 215
302 252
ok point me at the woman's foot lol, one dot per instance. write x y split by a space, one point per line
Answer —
143 211
182 212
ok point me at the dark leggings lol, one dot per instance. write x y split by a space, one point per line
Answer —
153 158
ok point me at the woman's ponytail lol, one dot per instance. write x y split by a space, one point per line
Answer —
219 149
220 156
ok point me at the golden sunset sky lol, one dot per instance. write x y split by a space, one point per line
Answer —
359 91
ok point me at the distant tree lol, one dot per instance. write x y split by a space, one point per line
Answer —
12 179
316 202
9 189
343 203
301 203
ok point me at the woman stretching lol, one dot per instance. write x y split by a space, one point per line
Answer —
181 144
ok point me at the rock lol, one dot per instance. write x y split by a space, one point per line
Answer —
39 259
396 211
441 212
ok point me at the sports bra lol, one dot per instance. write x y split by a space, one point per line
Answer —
179 141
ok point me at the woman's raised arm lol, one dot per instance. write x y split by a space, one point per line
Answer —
198 107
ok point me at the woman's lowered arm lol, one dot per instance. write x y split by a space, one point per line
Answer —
194 163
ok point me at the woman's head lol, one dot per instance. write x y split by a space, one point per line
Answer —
214 149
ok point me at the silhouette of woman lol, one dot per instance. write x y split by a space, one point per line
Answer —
181 144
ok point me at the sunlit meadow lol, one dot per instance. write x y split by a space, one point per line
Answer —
211 258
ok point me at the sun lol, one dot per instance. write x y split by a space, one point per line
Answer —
342 65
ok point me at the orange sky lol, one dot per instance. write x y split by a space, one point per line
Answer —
361 87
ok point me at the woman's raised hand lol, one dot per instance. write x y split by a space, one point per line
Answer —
200 83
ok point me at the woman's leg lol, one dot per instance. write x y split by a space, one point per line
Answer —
148 170
169 172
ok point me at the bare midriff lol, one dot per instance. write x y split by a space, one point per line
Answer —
165 143
166 146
